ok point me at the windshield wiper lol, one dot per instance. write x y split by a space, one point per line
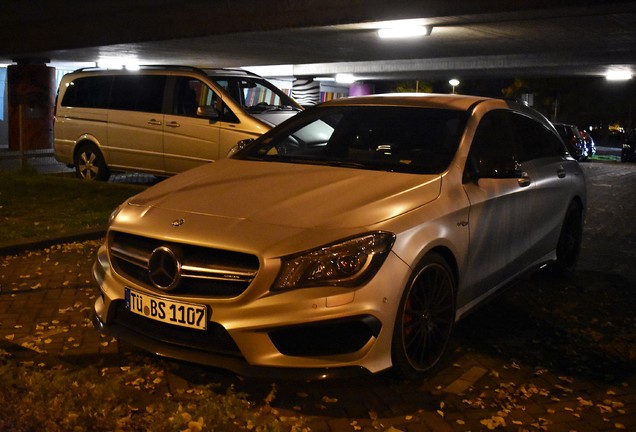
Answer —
346 164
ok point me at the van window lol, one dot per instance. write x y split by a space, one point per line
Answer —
255 95
88 92
191 93
138 93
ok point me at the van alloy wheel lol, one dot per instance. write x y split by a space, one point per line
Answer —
90 164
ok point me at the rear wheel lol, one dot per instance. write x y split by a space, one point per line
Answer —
425 318
90 164
569 245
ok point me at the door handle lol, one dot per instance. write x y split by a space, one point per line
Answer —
561 172
524 180
154 122
173 124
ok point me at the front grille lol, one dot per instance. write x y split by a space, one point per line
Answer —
214 340
205 272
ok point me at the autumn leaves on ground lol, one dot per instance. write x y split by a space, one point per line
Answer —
53 378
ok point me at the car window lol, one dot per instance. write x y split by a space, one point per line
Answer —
494 142
401 139
535 140
138 93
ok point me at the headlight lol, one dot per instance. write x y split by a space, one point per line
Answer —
115 212
348 263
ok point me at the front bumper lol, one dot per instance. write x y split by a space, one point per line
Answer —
313 333
237 365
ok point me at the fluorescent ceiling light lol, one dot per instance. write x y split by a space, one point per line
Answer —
403 32
271 70
345 78
118 63
618 75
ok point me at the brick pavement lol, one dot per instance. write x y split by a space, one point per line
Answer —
546 355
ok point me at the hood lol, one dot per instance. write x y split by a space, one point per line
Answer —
291 195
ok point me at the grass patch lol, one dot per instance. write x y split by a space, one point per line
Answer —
39 205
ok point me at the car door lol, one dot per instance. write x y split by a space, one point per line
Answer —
542 156
192 125
135 123
498 192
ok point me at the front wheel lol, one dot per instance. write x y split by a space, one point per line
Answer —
90 164
425 318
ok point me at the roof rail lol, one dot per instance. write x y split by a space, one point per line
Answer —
147 67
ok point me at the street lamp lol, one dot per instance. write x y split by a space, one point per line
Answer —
454 83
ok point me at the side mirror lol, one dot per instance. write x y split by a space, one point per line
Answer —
208 111
239 146
492 169
500 169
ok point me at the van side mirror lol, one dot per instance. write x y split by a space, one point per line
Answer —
208 111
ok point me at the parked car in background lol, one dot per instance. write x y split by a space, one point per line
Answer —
348 239
589 143
574 141
628 151
160 119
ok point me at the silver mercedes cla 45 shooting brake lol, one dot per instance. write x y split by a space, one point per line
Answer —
350 238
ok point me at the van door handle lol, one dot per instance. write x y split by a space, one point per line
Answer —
154 122
173 124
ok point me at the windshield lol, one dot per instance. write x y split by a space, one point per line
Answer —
256 95
388 138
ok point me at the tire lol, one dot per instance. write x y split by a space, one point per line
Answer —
425 318
569 245
90 164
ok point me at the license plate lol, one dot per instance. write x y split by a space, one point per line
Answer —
167 311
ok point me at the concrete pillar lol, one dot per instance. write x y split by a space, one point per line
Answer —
31 94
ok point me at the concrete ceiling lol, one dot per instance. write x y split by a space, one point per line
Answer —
469 38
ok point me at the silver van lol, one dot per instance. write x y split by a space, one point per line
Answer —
160 119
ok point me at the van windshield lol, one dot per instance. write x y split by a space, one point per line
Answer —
256 95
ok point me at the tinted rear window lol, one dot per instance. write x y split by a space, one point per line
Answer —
88 92
138 93
122 92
